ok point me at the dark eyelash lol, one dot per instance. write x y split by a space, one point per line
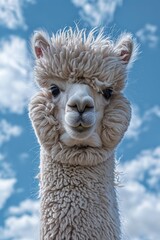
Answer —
55 90
107 93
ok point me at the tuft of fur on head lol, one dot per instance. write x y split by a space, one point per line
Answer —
73 57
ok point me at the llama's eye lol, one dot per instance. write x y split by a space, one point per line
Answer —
55 90
107 93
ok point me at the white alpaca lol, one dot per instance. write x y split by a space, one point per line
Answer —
79 117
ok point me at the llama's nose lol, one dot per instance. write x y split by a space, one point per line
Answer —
81 104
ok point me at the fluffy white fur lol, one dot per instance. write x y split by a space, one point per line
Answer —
77 167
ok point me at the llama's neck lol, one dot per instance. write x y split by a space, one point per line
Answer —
78 202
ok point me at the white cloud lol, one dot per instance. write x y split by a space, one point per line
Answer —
7 131
27 206
7 181
97 12
6 189
148 34
1 156
139 121
154 111
22 222
7 176
6 171
135 124
140 198
16 84
11 14
23 156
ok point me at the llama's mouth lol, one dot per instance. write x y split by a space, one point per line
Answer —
79 132
81 136
79 121
80 128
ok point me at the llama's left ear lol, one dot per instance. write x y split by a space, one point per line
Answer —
40 43
125 48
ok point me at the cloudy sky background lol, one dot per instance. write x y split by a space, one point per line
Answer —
138 155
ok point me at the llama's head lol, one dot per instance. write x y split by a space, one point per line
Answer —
82 78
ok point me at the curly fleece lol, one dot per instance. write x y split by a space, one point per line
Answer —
77 184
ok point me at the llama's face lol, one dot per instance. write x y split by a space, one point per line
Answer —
80 110
84 79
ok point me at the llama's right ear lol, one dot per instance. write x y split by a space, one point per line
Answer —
40 43
126 48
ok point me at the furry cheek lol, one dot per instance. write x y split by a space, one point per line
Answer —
115 123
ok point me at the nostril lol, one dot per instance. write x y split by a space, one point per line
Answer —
89 107
76 108
80 105
81 109
73 107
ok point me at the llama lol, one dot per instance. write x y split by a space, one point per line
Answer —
79 116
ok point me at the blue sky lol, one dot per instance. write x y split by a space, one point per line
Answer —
139 153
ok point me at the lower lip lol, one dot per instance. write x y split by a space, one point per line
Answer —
80 129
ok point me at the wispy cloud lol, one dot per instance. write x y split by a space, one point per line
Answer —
16 84
7 180
140 200
1 156
24 156
6 189
154 111
139 121
25 206
135 124
98 11
8 130
22 222
148 35
11 14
